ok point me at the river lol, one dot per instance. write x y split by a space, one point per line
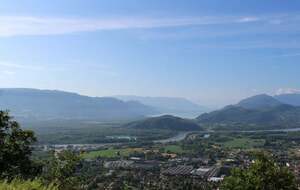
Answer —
178 137
182 135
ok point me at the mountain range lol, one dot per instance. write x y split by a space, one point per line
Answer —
33 104
257 112
262 111
169 105
261 101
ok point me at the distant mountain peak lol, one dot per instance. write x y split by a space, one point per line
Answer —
260 101
260 110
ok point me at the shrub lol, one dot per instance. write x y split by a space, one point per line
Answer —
18 184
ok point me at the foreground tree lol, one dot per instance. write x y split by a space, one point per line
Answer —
61 169
263 174
15 150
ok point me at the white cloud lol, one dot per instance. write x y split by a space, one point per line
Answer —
248 19
27 25
287 91
9 68
7 72
19 66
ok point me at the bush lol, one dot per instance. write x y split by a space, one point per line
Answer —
18 184
263 174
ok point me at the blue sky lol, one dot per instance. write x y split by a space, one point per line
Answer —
212 52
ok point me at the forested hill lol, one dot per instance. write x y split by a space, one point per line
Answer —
166 122
263 111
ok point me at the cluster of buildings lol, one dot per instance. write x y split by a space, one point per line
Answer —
73 147
152 174
214 173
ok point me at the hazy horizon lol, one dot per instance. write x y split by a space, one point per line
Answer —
208 105
213 53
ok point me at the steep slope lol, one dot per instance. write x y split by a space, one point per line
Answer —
166 122
48 104
169 105
292 99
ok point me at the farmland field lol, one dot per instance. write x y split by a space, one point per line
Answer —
112 153
244 143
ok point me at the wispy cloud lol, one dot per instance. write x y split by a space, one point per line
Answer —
250 44
19 66
289 55
7 72
10 68
287 91
248 19
101 69
27 25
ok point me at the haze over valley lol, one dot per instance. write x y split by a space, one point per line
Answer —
149 95
52 106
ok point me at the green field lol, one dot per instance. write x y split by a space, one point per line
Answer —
111 153
244 143
125 152
174 149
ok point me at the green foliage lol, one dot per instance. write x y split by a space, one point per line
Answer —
15 150
61 170
263 174
18 184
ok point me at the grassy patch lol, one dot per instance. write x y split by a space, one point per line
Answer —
244 143
174 149
111 153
